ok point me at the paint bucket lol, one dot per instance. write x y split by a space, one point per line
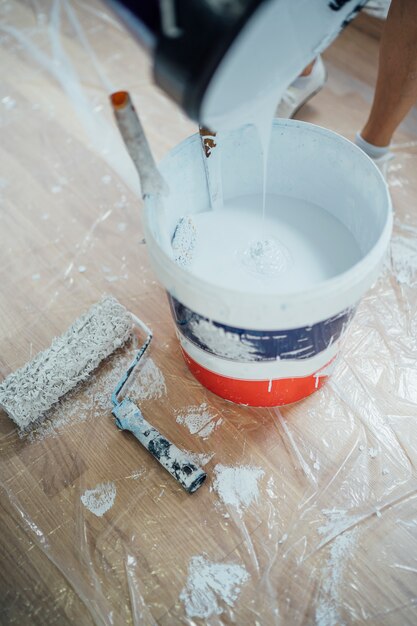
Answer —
275 348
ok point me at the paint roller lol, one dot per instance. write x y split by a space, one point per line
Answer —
28 393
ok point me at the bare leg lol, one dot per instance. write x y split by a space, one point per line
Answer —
308 69
396 88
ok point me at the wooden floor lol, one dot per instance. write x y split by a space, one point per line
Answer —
332 535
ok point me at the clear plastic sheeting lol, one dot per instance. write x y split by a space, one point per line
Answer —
308 514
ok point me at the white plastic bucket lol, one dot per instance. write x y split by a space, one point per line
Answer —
274 348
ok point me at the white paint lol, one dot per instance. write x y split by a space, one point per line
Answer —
210 585
337 522
100 499
199 458
8 102
102 383
266 257
318 244
149 382
82 269
114 278
183 241
404 259
373 453
329 600
68 412
198 420
220 341
327 370
137 474
237 486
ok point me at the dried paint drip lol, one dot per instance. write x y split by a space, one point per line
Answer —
100 499
267 257
237 486
199 420
209 585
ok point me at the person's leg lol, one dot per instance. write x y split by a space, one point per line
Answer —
396 88
308 69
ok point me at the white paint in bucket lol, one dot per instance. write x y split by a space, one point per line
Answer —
309 245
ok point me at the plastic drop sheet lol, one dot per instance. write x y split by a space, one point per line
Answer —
308 515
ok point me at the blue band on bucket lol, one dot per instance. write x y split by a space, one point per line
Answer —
258 345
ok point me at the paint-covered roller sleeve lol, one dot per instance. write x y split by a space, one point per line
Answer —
33 389
175 461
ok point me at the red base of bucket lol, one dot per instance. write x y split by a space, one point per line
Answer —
262 393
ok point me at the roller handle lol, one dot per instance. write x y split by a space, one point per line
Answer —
133 135
175 461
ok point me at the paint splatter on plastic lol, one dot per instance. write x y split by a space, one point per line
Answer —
328 609
149 383
211 585
199 420
237 486
99 499
404 259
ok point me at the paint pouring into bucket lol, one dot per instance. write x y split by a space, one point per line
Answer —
261 314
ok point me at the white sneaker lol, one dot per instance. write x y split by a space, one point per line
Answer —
302 89
378 8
